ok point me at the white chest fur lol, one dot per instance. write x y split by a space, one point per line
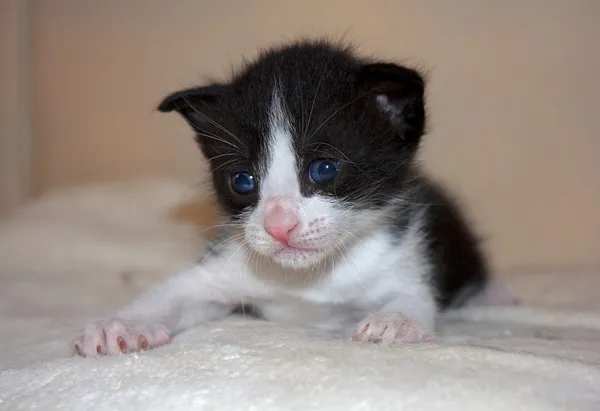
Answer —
374 272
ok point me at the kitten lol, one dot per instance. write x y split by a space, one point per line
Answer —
327 220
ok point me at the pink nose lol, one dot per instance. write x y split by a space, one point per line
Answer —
281 218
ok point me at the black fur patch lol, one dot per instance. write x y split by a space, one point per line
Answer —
459 268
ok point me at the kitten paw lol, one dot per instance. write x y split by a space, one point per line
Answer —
390 328
114 336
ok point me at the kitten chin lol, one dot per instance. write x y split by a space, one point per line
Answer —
334 227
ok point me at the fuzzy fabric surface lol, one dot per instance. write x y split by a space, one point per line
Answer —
81 253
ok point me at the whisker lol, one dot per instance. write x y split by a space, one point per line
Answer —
334 113
228 241
354 236
338 150
368 304
224 164
222 155
212 137
243 272
244 243
205 228
223 225
213 122
203 133
302 131
315 98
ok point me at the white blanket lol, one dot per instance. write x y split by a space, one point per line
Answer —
82 253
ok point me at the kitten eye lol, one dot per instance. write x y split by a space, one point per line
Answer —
323 171
242 183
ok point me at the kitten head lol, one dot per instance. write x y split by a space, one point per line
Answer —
309 146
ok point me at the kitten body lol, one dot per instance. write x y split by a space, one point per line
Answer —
327 220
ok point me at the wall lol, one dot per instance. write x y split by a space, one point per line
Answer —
15 149
514 104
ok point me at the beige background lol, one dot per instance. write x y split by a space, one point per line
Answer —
513 95
15 120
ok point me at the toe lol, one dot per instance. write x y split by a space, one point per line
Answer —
118 338
117 343
160 336
94 344
390 328
143 342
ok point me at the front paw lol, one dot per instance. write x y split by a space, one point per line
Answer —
114 336
390 328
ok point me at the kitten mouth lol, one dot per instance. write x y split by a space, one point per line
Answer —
295 257
291 249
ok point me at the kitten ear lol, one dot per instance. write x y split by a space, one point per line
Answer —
189 102
399 93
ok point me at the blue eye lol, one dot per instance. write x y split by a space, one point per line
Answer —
242 183
323 171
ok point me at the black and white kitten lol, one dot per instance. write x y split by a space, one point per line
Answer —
327 221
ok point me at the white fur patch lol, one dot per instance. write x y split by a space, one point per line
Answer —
280 176
325 225
376 274
280 168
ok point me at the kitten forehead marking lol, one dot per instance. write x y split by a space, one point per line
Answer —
280 170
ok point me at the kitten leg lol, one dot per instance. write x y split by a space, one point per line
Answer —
182 301
407 319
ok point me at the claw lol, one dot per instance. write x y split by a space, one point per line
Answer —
77 350
144 343
122 344
113 337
